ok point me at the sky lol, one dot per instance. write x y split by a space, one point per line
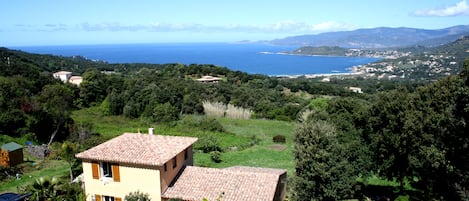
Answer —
71 22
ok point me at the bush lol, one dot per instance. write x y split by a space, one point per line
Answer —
165 113
254 140
211 124
137 196
215 156
279 139
202 122
9 172
208 143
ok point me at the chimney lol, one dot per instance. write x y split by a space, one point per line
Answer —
150 131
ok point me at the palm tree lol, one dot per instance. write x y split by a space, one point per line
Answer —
43 189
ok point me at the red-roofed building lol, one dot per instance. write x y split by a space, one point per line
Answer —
162 167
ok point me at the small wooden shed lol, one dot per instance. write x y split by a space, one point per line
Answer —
11 154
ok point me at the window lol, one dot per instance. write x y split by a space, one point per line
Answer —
106 169
186 154
166 167
174 162
105 198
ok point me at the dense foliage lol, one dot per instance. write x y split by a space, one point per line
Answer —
418 137
32 102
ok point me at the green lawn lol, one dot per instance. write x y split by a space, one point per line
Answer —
35 170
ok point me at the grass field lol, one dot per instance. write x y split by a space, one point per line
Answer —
33 170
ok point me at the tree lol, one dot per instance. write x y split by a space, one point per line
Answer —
43 188
422 137
323 169
165 113
13 100
391 144
93 88
57 101
67 152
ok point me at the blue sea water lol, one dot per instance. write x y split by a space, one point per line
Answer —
249 58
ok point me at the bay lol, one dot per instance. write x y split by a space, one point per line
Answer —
249 58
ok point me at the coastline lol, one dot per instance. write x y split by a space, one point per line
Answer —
321 75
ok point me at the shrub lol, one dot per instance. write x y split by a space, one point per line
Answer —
254 140
137 196
7 172
215 156
279 139
165 113
210 124
208 143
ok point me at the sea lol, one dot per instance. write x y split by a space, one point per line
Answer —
250 58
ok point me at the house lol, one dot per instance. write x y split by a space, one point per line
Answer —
356 89
11 154
66 76
63 75
161 166
134 162
209 79
76 80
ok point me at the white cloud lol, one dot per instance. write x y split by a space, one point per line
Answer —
461 8
282 27
331 26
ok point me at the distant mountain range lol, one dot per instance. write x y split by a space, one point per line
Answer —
382 37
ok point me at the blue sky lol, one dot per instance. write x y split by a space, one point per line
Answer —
65 22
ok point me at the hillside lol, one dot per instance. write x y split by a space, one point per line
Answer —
422 63
51 63
382 37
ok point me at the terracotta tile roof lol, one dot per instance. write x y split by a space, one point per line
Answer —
237 183
143 149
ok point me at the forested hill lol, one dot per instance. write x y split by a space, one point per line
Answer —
53 63
30 103
383 37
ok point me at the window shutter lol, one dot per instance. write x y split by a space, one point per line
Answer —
95 170
97 197
117 199
115 173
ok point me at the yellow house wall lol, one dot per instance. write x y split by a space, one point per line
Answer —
143 179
